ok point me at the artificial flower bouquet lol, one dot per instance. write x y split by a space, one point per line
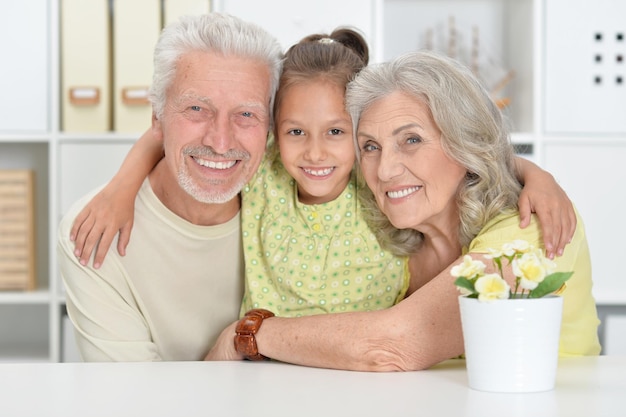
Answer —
534 276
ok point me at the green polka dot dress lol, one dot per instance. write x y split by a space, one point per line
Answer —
312 259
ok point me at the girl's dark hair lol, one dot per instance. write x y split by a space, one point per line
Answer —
337 57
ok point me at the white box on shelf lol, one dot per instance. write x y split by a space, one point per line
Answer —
585 61
25 66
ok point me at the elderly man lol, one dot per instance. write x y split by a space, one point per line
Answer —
181 280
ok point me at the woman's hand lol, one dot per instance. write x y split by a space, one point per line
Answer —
95 227
224 348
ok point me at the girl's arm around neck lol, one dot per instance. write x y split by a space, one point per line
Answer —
112 209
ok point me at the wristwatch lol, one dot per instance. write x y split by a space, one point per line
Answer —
245 341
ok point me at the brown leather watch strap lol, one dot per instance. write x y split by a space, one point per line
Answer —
245 342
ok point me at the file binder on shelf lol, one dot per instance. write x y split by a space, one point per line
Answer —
17 230
85 66
136 28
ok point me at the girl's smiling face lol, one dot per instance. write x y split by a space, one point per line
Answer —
314 134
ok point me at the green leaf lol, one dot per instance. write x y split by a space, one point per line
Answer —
498 262
550 284
465 283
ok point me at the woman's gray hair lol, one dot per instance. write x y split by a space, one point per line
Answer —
212 32
473 133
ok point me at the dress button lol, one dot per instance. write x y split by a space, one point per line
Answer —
317 227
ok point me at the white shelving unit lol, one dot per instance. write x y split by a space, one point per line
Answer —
519 35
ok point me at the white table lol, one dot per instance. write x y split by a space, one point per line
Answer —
589 387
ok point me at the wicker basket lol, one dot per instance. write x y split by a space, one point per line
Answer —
17 230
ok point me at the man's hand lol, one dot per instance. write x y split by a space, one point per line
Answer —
224 348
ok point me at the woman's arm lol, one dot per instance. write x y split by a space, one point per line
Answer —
543 195
417 333
112 209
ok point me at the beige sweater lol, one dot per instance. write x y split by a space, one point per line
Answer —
169 298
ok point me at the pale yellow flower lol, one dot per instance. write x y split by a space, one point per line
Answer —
516 247
528 264
493 253
468 268
492 287
531 268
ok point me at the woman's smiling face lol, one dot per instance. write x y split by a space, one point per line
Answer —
414 181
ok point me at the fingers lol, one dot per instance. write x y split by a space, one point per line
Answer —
558 228
557 219
551 230
89 234
95 227
103 246
122 243
78 222
524 211
81 230
555 227
91 239
568 228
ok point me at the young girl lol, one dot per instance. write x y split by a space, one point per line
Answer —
307 249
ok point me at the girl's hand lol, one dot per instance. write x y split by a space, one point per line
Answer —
554 209
95 227
112 210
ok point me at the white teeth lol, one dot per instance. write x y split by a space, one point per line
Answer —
402 193
215 165
318 172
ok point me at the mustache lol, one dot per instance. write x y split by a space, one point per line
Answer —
209 152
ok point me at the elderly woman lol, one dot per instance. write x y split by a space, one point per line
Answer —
436 156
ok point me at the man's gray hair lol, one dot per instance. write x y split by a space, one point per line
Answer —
212 32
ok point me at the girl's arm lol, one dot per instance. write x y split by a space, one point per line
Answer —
112 209
543 195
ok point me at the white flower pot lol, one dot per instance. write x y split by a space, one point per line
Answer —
511 345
